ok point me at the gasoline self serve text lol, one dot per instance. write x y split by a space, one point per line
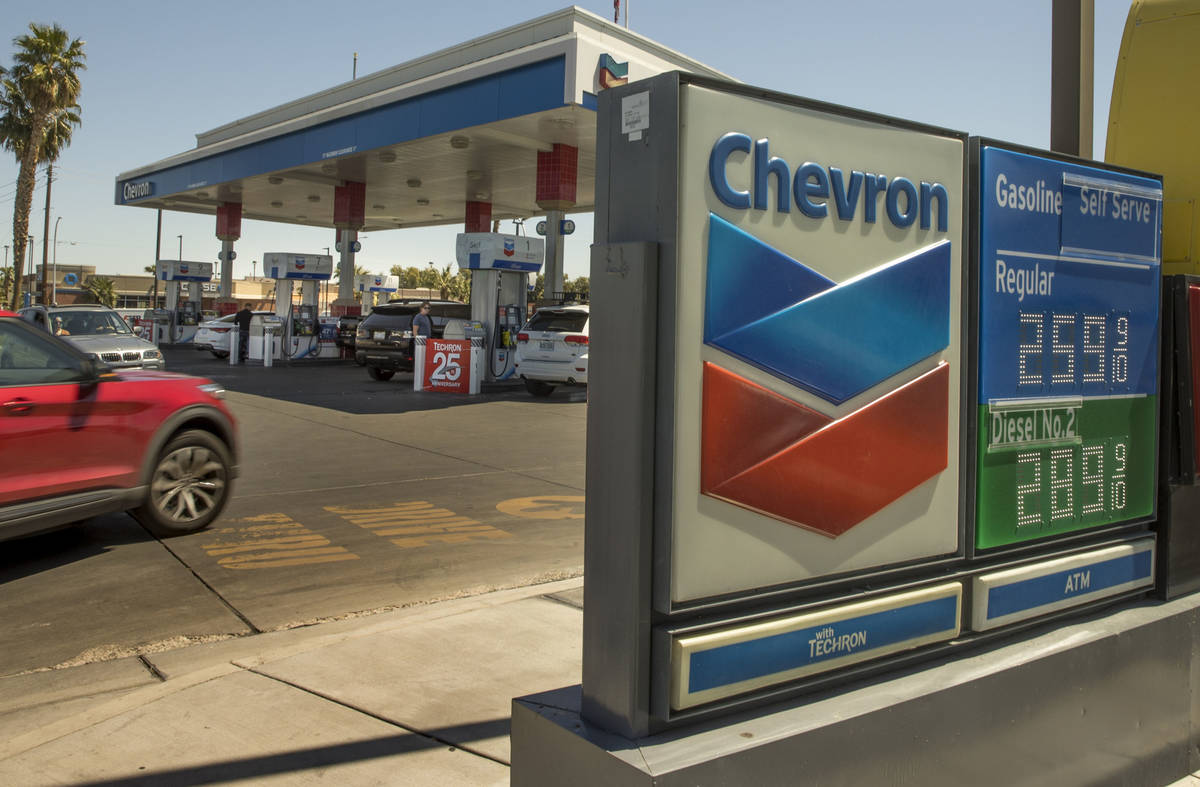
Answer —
1037 197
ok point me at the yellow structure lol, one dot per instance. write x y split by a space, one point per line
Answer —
1154 116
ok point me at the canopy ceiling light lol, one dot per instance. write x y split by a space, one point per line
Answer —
459 142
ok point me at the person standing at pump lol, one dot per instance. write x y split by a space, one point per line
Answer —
421 324
243 319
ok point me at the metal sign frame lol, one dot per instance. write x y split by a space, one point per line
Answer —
632 630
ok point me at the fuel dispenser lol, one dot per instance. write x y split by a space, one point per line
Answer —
301 321
179 323
373 286
500 267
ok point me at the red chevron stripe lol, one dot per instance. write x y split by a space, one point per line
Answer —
744 422
766 453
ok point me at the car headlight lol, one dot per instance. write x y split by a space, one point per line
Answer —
151 354
213 389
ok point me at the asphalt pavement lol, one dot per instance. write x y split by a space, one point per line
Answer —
392 568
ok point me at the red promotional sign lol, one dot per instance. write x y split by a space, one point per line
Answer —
448 365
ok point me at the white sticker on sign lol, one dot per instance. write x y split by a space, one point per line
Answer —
635 113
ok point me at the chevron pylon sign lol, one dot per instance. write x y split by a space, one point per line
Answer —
773 455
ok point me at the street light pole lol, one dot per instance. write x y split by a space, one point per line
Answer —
180 257
54 276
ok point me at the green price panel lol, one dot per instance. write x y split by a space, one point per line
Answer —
1069 279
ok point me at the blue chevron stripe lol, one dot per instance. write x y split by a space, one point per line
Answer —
749 280
840 341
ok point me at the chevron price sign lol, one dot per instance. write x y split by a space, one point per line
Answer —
1069 300
818 346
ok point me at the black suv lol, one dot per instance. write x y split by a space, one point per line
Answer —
383 342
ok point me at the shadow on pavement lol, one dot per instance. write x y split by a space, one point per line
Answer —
23 557
344 386
318 756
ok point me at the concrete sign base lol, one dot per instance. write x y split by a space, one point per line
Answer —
1114 699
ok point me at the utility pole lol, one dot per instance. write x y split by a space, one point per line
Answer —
157 252
46 238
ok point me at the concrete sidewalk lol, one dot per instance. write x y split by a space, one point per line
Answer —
416 696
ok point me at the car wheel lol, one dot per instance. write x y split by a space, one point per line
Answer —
538 388
188 486
220 354
380 374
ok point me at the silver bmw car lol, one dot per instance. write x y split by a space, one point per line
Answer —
98 331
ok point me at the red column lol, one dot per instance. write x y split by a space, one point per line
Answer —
350 205
479 217
556 176
229 221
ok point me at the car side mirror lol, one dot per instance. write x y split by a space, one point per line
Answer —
93 370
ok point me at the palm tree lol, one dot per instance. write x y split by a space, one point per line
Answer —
101 290
42 90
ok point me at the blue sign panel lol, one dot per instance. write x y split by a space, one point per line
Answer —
1111 220
1017 594
1055 320
737 659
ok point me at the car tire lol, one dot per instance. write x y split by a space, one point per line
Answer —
380 374
189 485
538 387
219 354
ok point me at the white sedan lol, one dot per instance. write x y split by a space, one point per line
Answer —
214 335
552 349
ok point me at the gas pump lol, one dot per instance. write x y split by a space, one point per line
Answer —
372 286
182 316
500 266
301 322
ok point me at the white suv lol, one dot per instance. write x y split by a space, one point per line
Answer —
552 349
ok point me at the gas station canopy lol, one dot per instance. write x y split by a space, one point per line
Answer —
425 137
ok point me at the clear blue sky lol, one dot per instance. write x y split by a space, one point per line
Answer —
158 73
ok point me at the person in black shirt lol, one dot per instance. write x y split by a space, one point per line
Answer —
243 319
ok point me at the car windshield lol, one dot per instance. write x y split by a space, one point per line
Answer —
87 322
558 321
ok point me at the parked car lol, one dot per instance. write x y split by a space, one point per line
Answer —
552 349
383 342
99 332
79 439
214 335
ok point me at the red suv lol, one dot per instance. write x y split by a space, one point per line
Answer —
78 440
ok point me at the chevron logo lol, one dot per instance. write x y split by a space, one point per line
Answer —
612 73
770 454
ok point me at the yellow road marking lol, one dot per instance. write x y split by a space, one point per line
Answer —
419 523
544 507
275 540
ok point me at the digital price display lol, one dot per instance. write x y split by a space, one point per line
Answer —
1069 278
